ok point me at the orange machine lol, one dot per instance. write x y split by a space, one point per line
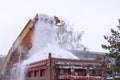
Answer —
20 47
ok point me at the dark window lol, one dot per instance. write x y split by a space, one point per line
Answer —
42 73
30 74
67 71
98 73
36 73
80 72
92 72
61 71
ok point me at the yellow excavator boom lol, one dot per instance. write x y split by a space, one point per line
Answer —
23 41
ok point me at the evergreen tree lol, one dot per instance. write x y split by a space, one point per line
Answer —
114 47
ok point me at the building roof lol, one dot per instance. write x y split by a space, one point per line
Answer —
87 54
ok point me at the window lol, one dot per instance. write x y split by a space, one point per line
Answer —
67 71
80 72
42 73
30 74
92 72
36 73
98 73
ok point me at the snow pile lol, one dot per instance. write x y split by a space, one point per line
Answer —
56 52
44 41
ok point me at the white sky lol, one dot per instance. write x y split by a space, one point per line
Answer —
94 17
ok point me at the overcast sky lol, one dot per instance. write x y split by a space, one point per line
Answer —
94 17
